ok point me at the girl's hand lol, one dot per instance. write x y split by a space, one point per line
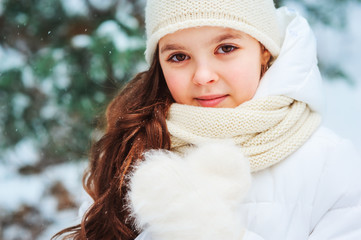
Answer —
191 197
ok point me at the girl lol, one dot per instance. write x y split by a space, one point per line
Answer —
221 137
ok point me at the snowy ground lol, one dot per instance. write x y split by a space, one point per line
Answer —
43 203
30 196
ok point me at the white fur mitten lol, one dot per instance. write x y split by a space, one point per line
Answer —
191 197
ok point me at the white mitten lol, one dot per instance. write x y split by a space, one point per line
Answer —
190 198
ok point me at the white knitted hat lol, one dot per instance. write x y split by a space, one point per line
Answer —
254 17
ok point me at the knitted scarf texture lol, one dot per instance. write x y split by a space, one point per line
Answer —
268 129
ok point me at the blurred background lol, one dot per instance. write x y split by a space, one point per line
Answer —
61 61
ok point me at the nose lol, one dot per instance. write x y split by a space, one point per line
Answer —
204 73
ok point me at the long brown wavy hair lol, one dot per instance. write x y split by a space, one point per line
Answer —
135 122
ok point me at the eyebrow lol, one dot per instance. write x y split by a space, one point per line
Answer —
226 36
171 47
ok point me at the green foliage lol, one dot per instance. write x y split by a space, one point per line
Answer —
70 66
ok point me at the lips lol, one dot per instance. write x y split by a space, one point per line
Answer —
211 100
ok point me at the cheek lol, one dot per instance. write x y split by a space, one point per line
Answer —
247 74
176 83
244 79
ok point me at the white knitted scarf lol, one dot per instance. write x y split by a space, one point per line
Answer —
268 129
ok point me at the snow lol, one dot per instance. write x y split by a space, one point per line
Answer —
22 154
32 190
20 102
69 174
16 232
124 15
10 59
102 4
46 86
111 30
72 178
58 54
20 190
28 77
81 41
49 111
63 220
61 75
75 7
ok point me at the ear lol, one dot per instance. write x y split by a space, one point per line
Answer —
265 56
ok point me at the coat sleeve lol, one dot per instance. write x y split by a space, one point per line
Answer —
144 236
337 205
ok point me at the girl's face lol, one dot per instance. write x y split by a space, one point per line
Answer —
211 66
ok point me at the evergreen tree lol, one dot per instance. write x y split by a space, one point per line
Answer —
59 67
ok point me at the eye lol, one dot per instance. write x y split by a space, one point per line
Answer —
226 49
179 57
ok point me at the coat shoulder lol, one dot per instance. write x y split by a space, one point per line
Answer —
333 146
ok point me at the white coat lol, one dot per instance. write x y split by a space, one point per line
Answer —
315 193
